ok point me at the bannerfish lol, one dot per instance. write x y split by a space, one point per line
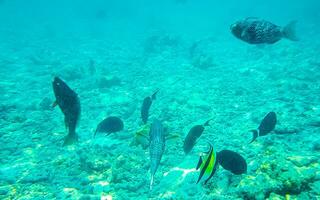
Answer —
207 164
156 147
146 106
266 126
69 103
232 161
191 138
258 31
109 125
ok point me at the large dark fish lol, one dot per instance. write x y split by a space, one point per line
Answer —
192 136
146 106
257 31
232 161
266 126
109 125
68 102
207 164
157 145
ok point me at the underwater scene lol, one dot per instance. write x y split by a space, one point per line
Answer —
170 99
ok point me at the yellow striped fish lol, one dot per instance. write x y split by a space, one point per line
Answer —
207 164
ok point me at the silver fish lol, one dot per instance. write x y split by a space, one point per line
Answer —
157 145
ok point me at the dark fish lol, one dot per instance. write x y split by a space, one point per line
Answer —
266 126
146 106
157 145
109 125
191 138
207 164
257 31
69 103
232 162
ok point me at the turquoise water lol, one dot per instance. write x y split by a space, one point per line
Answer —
114 54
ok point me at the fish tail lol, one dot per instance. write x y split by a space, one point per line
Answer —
207 122
289 31
154 95
70 139
254 135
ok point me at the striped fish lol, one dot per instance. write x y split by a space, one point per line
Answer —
157 145
207 164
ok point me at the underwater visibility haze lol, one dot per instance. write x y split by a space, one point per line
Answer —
171 99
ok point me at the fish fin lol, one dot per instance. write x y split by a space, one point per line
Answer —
199 163
70 139
142 134
207 122
172 136
151 182
54 104
255 134
289 31
153 96
95 133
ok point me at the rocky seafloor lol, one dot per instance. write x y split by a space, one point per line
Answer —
233 83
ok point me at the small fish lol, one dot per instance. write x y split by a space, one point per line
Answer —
191 138
69 103
207 165
257 31
266 126
232 162
156 147
146 106
109 125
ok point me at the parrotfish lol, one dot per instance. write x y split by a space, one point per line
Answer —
109 125
266 126
146 106
258 31
156 147
232 161
207 164
193 135
69 103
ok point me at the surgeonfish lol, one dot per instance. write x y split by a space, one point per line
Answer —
69 103
207 164
232 161
257 31
146 106
193 135
156 147
266 126
109 125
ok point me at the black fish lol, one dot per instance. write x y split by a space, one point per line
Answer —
110 125
69 103
266 126
207 164
232 162
146 106
157 145
257 31
191 138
